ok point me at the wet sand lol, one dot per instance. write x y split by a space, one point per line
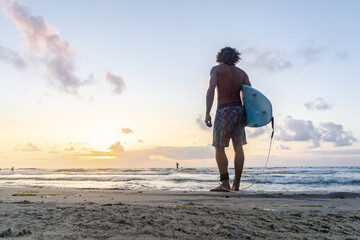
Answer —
44 213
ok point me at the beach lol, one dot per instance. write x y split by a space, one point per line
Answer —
64 213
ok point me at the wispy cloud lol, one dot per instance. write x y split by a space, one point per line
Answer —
116 81
273 60
204 84
30 147
12 57
312 53
318 104
355 152
284 147
126 130
184 153
302 130
342 55
270 59
45 43
167 152
69 149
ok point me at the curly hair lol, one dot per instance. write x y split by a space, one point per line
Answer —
228 55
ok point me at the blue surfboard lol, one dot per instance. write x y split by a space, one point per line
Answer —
257 107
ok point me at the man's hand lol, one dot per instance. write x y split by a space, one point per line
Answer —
208 120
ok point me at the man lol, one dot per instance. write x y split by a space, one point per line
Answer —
230 117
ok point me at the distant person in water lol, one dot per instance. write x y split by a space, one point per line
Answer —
177 165
230 117
12 169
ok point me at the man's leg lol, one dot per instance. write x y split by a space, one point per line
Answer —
238 164
222 163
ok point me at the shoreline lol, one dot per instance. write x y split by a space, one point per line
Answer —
131 214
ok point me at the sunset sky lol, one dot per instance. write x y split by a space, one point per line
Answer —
122 83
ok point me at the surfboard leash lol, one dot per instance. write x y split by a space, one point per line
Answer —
263 170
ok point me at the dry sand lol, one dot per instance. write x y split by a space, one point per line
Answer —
40 213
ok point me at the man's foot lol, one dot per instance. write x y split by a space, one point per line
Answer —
235 186
221 188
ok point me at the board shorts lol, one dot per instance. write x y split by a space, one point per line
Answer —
229 123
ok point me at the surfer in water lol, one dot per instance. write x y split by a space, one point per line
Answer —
230 116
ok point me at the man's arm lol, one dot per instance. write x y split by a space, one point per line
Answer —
210 96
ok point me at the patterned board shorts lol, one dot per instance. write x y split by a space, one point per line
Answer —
229 123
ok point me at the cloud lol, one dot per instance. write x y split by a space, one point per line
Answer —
167 152
254 133
204 84
116 81
318 104
69 149
285 147
312 53
200 122
117 148
355 152
44 41
30 147
301 130
140 140
277 60
334 133
12 57
270 60
184 153
342 55
126 130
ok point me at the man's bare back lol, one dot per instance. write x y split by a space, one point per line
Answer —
229 80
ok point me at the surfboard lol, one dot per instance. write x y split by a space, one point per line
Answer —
257 107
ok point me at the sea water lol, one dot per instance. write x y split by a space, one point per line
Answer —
273 179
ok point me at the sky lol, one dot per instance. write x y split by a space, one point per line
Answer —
122 84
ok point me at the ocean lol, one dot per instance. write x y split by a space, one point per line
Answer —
273 179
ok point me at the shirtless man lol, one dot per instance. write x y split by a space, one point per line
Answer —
230 117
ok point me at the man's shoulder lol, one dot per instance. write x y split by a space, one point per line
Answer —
223 67
218 67
214 69
242 72
239 69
